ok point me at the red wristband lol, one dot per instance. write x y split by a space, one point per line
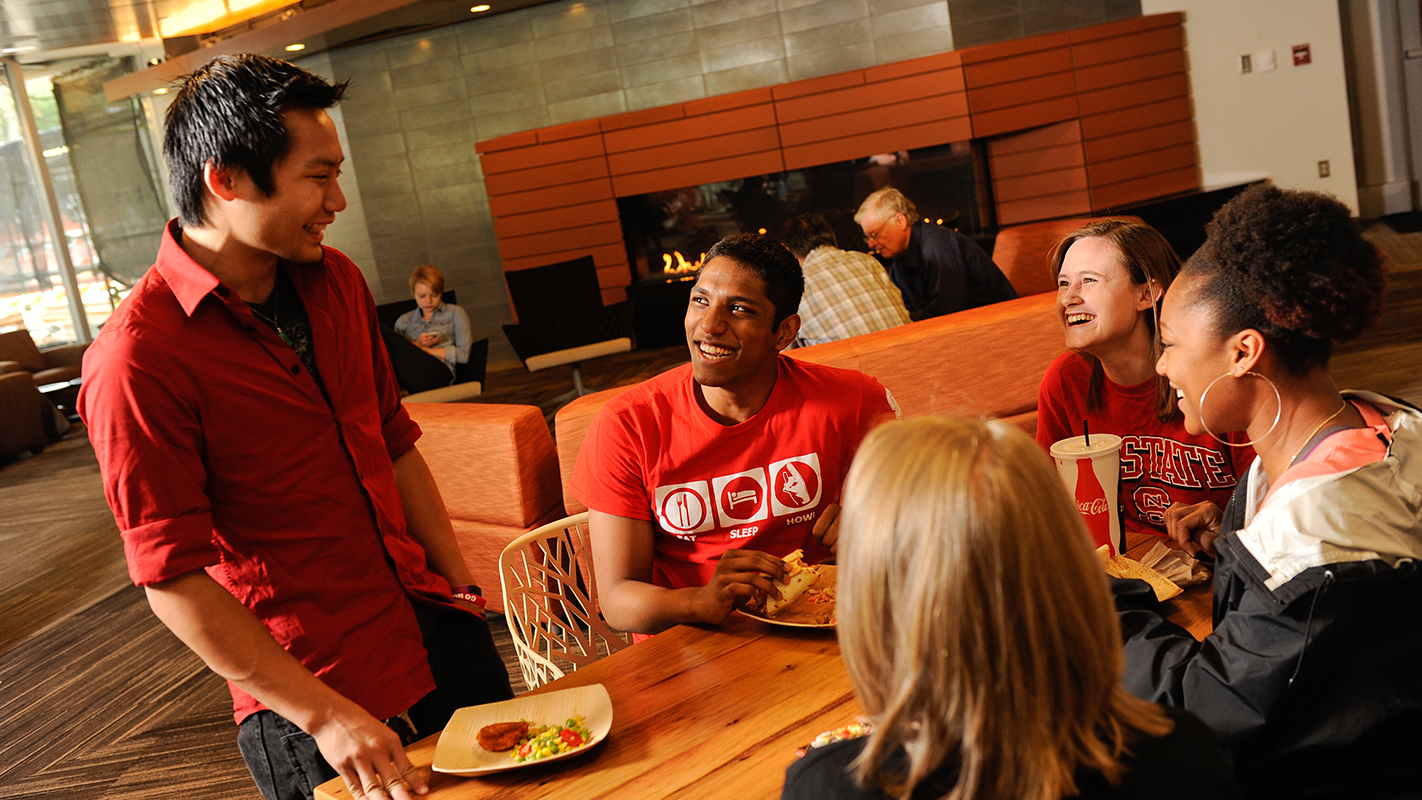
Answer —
469 593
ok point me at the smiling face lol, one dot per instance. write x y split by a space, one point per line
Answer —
731 329
290 223
425 297
1193 355
1100 309
888 236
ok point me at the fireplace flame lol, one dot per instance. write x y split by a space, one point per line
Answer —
682 265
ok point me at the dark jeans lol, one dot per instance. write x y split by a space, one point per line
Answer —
284 760
415 370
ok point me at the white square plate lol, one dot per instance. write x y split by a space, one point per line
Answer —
458 751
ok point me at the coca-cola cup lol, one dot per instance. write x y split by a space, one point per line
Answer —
1092 474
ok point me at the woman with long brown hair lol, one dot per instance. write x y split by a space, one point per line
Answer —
1111 276
978 633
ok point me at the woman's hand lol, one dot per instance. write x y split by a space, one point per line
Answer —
428 339
1194 527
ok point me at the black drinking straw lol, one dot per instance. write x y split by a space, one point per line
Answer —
1086 428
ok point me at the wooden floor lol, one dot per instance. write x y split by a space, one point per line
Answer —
98 700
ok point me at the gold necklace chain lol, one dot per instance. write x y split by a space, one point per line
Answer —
1331 417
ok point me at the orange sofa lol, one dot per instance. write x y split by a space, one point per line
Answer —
498 473
984 362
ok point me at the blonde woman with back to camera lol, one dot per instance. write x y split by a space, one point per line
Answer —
978 632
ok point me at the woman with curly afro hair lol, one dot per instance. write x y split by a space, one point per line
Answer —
1311 677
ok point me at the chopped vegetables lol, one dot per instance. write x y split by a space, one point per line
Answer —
550 740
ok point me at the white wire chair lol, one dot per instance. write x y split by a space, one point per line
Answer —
550 601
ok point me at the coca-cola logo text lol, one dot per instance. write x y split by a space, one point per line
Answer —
1092 508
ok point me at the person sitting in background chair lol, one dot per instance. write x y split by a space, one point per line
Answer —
432 339
977 631
847 293
938 269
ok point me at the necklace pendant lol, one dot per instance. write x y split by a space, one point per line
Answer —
285 338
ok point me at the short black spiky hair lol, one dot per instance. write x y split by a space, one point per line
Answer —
228 112
1293 265
784 281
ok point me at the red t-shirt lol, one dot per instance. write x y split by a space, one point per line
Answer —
1161 462
218 452
653 454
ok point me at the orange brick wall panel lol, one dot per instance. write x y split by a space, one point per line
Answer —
1059 181
554 153
1132 167
1054 135
905 138
556 241
1133 119
1133 94
725 102
841 80
1027 90
1032 162
869 120
569 194
870 95
543 177
1014 47
914 66
614 276
708 149
1126 26
543 221
695 174
689 129
610 296
1146 188
569 130
605 255
1031 115
1046 207
1016 68
1131 71
1103 51
633 119
1143 141
520 139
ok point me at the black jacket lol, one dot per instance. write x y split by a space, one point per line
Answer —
943 271
1315 686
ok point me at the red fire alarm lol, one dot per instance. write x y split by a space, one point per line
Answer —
1302 55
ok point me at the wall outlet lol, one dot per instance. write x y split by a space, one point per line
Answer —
1323 169
1246 64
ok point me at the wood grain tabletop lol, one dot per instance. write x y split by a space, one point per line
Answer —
706 712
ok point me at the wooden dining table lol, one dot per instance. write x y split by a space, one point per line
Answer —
706 712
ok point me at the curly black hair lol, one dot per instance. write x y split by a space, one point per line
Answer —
784 280
1293 265
228 112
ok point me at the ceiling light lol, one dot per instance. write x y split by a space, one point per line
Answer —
18 48
480 7
55 151
131 37
292 48
161 90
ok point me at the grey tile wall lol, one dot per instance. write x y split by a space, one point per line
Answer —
419 102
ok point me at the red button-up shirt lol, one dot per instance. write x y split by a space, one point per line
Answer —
218 452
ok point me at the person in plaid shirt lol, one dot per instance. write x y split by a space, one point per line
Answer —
847 293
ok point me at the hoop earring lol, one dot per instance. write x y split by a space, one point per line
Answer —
1278 401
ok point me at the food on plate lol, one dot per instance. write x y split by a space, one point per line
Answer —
501 735
798 579
550 740
853 730
1122 567
815 604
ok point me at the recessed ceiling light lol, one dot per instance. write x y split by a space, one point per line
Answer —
479 8
292 48
161 90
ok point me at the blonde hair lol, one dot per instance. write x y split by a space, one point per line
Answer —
1145 256
429 275
885 203
974 617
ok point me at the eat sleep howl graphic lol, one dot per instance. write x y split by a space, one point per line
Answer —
736 502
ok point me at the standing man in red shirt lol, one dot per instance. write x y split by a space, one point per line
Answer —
258 461
703 477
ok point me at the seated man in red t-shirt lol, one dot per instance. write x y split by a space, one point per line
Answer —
700 479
